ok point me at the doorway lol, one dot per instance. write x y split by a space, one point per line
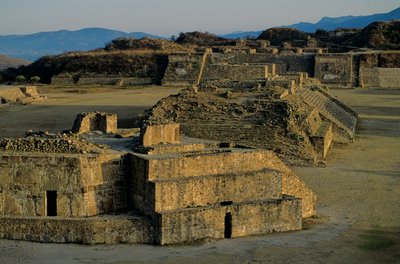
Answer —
228 225
51 201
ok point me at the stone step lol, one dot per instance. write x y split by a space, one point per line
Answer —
330 110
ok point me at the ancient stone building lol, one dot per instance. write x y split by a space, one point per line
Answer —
359 69
241 98
165 190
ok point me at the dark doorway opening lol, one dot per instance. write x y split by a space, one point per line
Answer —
228 225
51 199
225 203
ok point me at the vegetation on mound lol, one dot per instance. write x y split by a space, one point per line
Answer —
126 57
378 35
89 64
145 44
278 35
200 39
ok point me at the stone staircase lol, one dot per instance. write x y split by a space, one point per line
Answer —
340 115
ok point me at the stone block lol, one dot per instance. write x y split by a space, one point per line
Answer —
159 134
86 122
11 206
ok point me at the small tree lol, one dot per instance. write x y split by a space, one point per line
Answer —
35 79
20 78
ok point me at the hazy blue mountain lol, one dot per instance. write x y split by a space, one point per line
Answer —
327 23
31 47
330 23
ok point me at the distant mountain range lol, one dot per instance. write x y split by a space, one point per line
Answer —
31 47
328 23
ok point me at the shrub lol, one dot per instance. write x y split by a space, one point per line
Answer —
20 78
35 79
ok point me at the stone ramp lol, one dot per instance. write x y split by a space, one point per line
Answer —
332 109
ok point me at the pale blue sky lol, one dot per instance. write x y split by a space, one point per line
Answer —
168 17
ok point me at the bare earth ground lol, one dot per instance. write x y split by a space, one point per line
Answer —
358 191
64 103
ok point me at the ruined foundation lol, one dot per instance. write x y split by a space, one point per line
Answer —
166 190
19 94
86 122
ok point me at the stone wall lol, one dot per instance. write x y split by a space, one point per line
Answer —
246 219
292 185
178 193
323 140
362 69
380 77
62 80
334 69
223 163
86 122
101 80
164 169
120 81
92 230
236 72
182 70
284 62
104 181
85 185
236 167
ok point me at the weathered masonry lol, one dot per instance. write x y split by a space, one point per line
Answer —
19 94
341 70
166 190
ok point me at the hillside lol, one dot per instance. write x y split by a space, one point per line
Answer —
33 46
144 58
278 35
199 38
329 23
326 23
7 62
378 35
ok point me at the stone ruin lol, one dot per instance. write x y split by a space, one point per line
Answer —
374 69
336 69
19 94
161 188
238 98
86 122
